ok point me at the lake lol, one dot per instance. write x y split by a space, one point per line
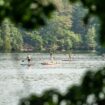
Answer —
17 79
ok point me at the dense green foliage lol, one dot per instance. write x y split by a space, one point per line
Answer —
33 13
91 38
11 38
28 14
64 32
95 8
57 34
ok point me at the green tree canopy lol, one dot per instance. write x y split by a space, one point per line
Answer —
95 8
11 37
27 13
91 38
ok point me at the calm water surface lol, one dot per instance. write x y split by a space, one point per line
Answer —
17 79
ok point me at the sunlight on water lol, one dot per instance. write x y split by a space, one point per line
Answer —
17 79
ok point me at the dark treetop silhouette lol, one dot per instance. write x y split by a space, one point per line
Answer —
26 13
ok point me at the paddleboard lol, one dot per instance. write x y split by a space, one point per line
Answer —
26 64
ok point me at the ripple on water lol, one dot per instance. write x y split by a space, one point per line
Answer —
17 81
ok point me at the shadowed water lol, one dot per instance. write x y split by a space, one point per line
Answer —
17 79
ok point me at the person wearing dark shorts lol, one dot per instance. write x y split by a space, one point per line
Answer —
28 58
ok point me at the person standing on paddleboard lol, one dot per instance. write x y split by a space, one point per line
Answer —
29 58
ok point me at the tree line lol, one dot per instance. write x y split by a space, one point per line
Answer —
64 32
